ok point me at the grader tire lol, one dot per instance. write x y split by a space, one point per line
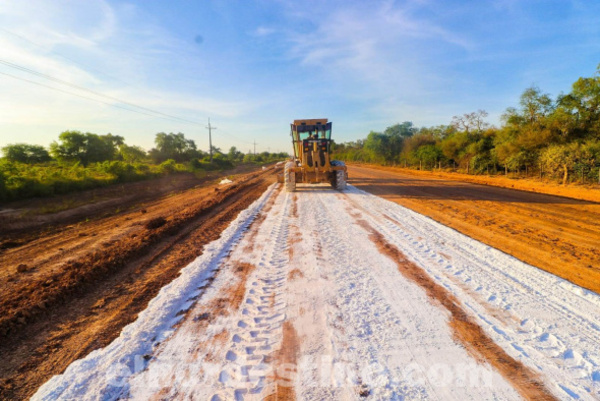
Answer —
339 178
289 177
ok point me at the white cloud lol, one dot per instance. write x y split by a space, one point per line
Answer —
263 31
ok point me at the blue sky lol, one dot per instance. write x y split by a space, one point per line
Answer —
253 67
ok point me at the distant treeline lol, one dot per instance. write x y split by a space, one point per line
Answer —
78 161
558 138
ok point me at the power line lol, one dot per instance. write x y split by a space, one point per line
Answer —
235 137
81 96
63 56
60 81
107 103
145 111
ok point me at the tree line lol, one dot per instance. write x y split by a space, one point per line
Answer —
78 160
551 137
86 148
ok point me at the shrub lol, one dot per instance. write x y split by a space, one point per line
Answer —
121 170
168 166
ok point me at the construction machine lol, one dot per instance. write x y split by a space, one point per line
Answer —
311 163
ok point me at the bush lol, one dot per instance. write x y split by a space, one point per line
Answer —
168 166
121 170
196 164
142 169
3 193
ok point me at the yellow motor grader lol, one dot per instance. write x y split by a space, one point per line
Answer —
311 163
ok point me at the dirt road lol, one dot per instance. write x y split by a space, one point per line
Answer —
559 235
326 295
70 289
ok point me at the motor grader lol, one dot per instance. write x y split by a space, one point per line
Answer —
311 163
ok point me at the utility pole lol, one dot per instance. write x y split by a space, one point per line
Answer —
254 148
210 128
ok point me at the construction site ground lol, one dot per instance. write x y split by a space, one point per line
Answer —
71 280
244 291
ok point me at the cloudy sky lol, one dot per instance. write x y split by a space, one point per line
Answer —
253 67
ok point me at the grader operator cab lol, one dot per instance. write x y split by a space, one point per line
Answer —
311 162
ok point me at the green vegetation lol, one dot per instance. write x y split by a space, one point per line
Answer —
79 161
556 138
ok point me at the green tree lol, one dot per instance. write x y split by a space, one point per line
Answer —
535 105
173 146
429 155
132 154
24 153
560 159
75 146
454 146
378 147
404 130
234 154
583 105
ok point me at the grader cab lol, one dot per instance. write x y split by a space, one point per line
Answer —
311 163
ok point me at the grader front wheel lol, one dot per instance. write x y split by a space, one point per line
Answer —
339 178
289 177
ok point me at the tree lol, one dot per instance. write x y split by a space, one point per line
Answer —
583 105
75 146
471 122
173 146
132 153
453 146
429 155
403 130
559 158
24 153
378 146
412 145
535 105
234 154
